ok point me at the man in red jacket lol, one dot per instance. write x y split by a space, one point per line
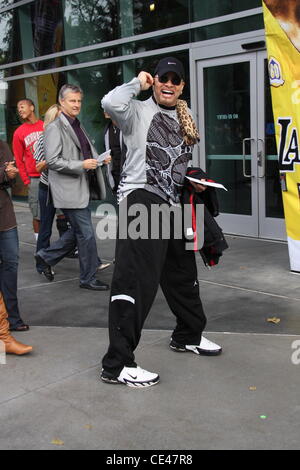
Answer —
23 142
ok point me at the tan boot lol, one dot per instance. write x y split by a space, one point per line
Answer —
12 346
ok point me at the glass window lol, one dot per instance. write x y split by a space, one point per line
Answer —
152 15
48 35
95 83
90 22
100 54
94 21
131 48
47 26
30 31
228 28
10 48
212 9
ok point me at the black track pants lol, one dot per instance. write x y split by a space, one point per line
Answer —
142 265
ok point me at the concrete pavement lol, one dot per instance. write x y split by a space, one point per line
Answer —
245 399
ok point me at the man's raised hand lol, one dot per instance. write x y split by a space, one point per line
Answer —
146 80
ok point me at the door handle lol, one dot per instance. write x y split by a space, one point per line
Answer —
248 139
261 158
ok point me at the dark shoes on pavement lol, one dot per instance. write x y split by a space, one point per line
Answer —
19 328
94 285
45 268
73 254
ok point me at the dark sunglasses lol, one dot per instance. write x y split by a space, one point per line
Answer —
175 80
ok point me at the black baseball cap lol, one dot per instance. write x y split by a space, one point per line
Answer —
169 64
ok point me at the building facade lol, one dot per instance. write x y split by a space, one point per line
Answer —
99 44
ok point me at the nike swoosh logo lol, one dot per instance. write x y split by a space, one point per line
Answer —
134 378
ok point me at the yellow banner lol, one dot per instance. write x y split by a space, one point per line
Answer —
283 44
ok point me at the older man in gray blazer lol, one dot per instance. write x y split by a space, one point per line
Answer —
71 160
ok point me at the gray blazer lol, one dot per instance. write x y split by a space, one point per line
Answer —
67 178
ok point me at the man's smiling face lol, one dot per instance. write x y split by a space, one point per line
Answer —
167 93
25 109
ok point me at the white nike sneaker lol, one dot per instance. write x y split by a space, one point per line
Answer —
205 348
135 377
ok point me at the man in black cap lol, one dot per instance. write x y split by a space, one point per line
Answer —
159 135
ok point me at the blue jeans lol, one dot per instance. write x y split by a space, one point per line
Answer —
9 261
81 223
46 221
82 234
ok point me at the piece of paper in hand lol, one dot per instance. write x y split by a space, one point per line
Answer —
207 183
103 156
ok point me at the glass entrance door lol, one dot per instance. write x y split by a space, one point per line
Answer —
238 143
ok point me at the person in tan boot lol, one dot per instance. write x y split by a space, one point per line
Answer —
12 346
9 242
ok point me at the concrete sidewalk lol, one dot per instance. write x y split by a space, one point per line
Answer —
248 398
245 399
